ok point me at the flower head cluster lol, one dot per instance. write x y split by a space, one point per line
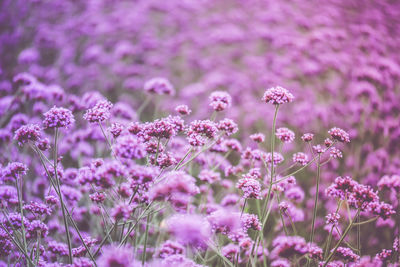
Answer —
307 137
289 246
58 118
277 96
346 254
339 134
390 182
251 187
129 147
159 86
220 100
26 133
192 230
99 113
285 135
12 171
300 158
183 110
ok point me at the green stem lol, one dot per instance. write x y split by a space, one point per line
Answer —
328 244
341 239
57 180
281 216
18 184
145 239
316 199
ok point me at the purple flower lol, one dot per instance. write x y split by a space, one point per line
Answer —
12 171
258 137
307 137
251 187
220 100
390 182
230 251
346 254
159 86
99 113
289 246
58 118
300 158
169 248
250 221
183 110
228 126
285 135
26 133
224 221
38 208
192 230
114 255
332 218
339 134
277 96
129 147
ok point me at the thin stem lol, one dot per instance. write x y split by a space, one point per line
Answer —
145 239
58 192
184 157
281 216
18 245
316 199
300 169
358 235
328 244
18 184
105 136
204 148
341 239
244 206
57 180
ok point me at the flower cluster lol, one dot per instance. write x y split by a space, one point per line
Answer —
157 146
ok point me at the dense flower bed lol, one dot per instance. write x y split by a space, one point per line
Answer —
199 133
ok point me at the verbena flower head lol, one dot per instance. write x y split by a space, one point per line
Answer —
390 182
258 137
289 246
300 158
159 86
224 221
99 113
285 135
346 254
342 187
277 96
251 187
129 147
228 126
230 251
307 137
26 133
13 171
250 221
58 117
339 134
335 153
220 100
169 248
173 183
114 255
183 110
332 219
188 229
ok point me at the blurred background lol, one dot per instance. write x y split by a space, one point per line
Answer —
340 58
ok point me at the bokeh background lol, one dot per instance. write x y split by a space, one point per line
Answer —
340 58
